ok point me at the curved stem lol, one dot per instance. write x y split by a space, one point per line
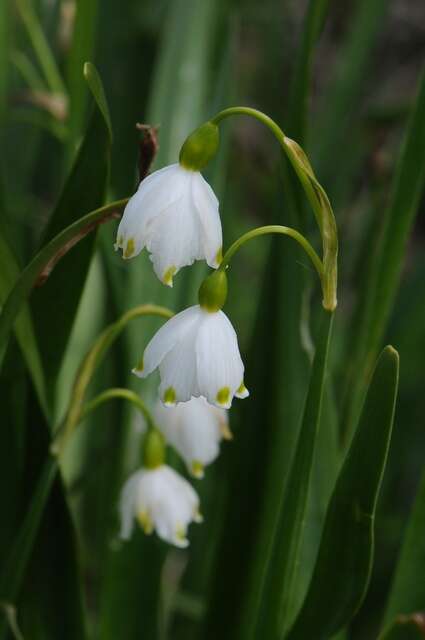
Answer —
315 193
274 228
91 362
254 113
117 392
285 143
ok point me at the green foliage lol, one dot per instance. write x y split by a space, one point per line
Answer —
278 590
292 524
84 191
9 273
378 293
344 562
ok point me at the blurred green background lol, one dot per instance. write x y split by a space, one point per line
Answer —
341 78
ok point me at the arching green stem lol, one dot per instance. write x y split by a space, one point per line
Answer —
91 362
274 228
314 192
254 113
112 394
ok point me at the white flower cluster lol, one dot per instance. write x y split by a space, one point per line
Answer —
174 214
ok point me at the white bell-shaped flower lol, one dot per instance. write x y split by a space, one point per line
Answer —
174 214
197 354
161 500
194 429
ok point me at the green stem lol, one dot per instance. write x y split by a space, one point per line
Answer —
284 142
81 412
117 392
274 228
90 364
314 192
254 113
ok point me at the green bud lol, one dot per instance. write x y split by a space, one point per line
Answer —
199 147
153 449
213 291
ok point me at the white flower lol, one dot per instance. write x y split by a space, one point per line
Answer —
174 214
197 354
194 429
160 499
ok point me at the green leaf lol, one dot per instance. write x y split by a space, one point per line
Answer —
55 303
408 187
82 48
382 280
9 273
343 567
407 591
301 74
13 401
40 576
45 259
276 587
16 564
351 74
96 87
257 465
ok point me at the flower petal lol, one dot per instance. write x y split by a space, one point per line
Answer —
127 504
206 205
174 238
194 429
174 507
159 498
178 370
165 339
242 392
219 364
156 193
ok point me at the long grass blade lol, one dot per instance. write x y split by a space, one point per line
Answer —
55 303
276 589
342 572
9 273
377 298
82 49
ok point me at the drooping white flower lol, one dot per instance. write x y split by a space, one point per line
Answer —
174 214
197 354
194 429
161 500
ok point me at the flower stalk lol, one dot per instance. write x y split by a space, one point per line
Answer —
153 447
315 194
113 394
279 229
88 367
